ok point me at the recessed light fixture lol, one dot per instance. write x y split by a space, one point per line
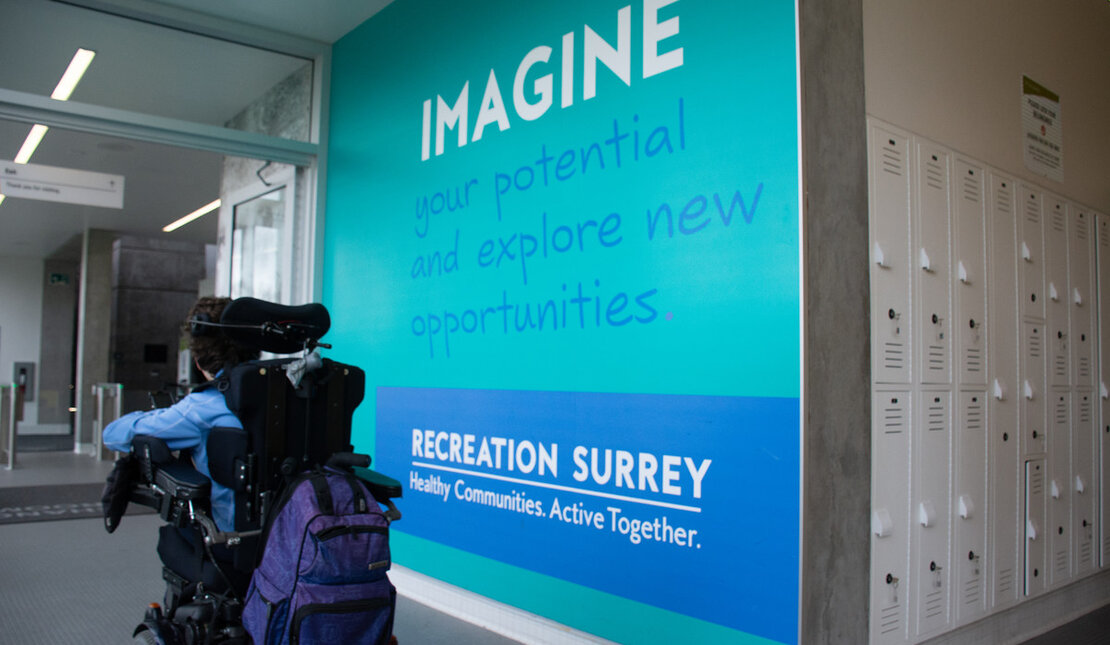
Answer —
203 210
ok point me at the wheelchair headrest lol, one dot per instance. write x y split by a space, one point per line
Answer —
273 327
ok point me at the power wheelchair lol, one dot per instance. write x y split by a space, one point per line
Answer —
296 416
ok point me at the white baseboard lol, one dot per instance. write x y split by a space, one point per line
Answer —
497 617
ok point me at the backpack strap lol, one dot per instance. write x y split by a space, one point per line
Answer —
323 493
358 497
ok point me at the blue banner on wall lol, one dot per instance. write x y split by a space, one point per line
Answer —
674 501
565 235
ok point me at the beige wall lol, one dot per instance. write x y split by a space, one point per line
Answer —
951 70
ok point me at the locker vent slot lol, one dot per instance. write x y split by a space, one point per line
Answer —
973 416
890 618
1062 411
1104 235
971 189
934 603
973 590
1036 482
1035 347
935 420
1085 553
1058 223
936 358
1084 367
1085 409
1081 228
894 418
894 355
1060 365
1061 563
892 160
1003 202
1005 581
1033 210
934 175
973 359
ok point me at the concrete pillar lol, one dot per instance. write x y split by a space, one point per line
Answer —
94 329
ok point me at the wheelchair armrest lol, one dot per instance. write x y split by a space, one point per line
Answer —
182 481
382 487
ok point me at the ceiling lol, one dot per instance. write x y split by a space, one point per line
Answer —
142 67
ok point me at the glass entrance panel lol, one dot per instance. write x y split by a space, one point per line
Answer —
259 262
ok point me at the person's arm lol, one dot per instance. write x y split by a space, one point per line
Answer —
176 425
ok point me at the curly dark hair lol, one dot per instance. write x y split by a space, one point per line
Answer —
212 349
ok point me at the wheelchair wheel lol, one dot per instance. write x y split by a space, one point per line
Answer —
146 637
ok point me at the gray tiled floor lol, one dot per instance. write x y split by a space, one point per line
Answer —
69 581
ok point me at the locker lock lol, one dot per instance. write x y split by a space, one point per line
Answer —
893 314
935 319
972 323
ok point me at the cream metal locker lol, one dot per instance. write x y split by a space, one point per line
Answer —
1057 308
970 270
969 526
891 414
1031 252
1006 513
1081 300
1102 243
1035 538
1033 388
1058 522
891 281
932 285
931 513
1084 490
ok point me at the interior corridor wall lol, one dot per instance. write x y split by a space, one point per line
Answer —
562 238
20 319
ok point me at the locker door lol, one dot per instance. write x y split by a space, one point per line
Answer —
1034 527
1102 260
933 247
890 516
889 177
931 513
1033 388
1059 490
1057 309
1006 514
969 503
971 274
1083 488
1081 301
1031 252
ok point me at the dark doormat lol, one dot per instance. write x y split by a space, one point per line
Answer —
43 442
59 502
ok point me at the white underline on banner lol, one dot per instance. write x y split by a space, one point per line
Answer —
580 491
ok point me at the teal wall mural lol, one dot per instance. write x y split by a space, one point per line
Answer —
562 240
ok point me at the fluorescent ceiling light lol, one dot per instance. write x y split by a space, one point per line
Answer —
34 137
77 67
203 210
74 72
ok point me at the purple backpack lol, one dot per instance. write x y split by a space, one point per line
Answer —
322 578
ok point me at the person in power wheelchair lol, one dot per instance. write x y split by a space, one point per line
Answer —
240 438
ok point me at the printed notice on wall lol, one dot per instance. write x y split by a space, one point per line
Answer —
1042 132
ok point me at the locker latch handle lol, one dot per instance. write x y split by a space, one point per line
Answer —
1028 390
926 514
1077 297
880 259
999 390
1103 392
1079 487
1054 489
926 264
962 271
1030 530
881 524
1055 297
966 507
1026 254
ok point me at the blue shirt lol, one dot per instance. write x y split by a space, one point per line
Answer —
184 426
